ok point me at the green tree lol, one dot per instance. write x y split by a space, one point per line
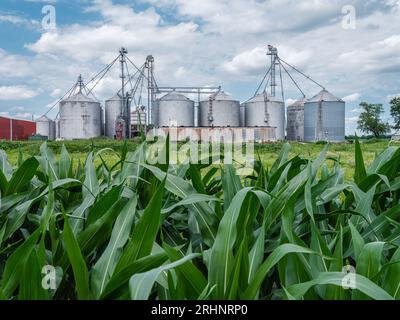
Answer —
370 120
395 112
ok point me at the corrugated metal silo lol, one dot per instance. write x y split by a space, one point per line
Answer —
324 118
46 127
112 113
154 114
295 120
175 110
242 115
80 118
220 110
266 111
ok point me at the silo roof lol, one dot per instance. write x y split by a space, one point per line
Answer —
173 96
222 95
115 98
325 95
262 96
43 119
80 97
298 103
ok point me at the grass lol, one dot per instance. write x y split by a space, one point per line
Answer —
135 230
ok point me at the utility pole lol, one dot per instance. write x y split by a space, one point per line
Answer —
124 106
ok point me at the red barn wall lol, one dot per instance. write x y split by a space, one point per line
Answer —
21 129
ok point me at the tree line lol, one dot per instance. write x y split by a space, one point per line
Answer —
371 122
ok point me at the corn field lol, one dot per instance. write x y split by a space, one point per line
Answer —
295 230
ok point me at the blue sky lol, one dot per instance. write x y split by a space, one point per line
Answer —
202 43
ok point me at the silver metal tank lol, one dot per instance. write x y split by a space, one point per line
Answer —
80 118
242 115
113 110
265 111
46 127
154 114
324 118
220 110
175 110
295 120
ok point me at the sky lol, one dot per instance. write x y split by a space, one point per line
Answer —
351 47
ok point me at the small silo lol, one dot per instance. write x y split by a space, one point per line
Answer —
80 118
113 110
295 120
46 127
265 111
175 110
324 118
220 110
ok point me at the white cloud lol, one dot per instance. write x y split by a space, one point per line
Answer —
18 108
351 120
17 93
356 110
25 115
352 97
392 96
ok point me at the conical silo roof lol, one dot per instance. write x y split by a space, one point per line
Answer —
326 96
43 119
79 97
261 97
298 103
115 98
173 96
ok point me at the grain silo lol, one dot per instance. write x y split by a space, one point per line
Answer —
266 111
295 120
175 110
220 110
324 118
242 115
113 111
46 127
154 114
80 118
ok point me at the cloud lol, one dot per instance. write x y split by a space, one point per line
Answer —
352 97
392 96
17 93
19 20
351 120
18 108
356 110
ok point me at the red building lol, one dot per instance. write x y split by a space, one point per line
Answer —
18 129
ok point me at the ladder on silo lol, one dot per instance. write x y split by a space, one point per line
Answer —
319 122
266 114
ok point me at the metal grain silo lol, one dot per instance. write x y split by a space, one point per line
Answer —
80 118
242 115
295 120
324 118
46 127
113 110
154 114
220 110
175 110
266 111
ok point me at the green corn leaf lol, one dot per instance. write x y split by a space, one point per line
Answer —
140 285
81 276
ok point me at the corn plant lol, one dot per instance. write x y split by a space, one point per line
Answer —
132 230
